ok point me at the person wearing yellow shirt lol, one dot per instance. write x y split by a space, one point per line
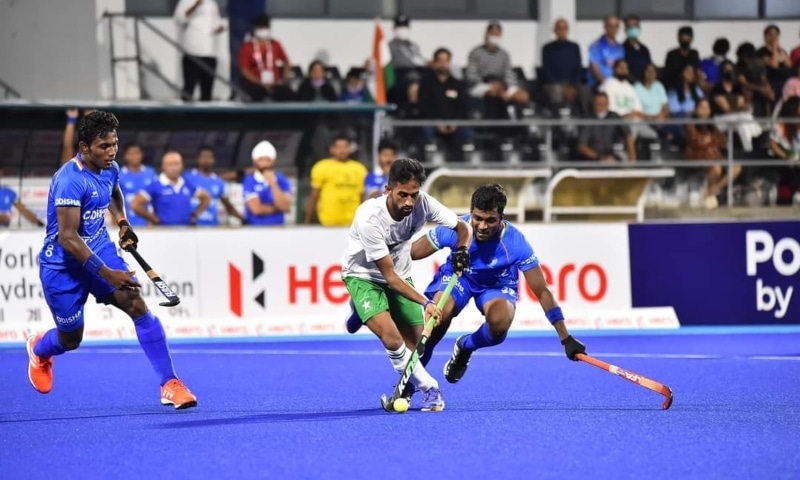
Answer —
337 186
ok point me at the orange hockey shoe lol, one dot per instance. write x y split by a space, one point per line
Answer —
40 370
175 393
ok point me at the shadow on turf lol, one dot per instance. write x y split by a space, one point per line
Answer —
84 417
274 418
332 416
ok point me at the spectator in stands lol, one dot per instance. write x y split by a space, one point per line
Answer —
199 23
444 97
710 66
375 183
604 53
134 176
596 142
728 103
204 177
171 196
785 143
792 86
776 59
652 95
316 87
491 77
678 58
337 186
8 199
683 99
636 53
752 77
355 89
264 65
405 53
705 142
624 101
562 69
267 193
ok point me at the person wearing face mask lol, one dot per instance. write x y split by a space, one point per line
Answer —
491 77
636 53
406 53
678 58
624 101
710 66
264 65
316 87
444 97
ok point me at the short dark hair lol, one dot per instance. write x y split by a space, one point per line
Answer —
130 145
95 125
442 50
262 20
403 170
489 197
338 137
632 18
771 27
204 148
721 46
686 30
387 144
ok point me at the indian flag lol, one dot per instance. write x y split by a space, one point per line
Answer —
383 71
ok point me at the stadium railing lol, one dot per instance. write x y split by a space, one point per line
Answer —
544 129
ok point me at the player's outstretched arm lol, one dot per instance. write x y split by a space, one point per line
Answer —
69 219
422 248
538 284
25 212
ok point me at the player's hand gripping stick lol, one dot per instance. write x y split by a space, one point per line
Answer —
631 377
388 403
162 286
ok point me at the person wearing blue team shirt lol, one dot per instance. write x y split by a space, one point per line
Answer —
8 199
267 193
171 196
604 53
133 178
375 183
204 177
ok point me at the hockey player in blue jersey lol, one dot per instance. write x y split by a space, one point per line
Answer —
78 258
497 255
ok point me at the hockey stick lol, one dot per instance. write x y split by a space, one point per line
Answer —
631 377
157 281
388 403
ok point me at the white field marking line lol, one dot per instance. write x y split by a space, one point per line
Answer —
338 353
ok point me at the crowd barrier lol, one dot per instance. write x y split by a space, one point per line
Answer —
245 282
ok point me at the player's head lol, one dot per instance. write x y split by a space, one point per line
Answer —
406 177
205 158
340 147
387 154
264 155
172 165
132 154
97 138
486 211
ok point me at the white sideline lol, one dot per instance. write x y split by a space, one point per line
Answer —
336 353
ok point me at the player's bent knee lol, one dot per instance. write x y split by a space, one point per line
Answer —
129 301
70 340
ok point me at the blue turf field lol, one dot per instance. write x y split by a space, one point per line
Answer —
293 410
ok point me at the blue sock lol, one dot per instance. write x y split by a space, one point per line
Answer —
481 338
49 345
154 343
